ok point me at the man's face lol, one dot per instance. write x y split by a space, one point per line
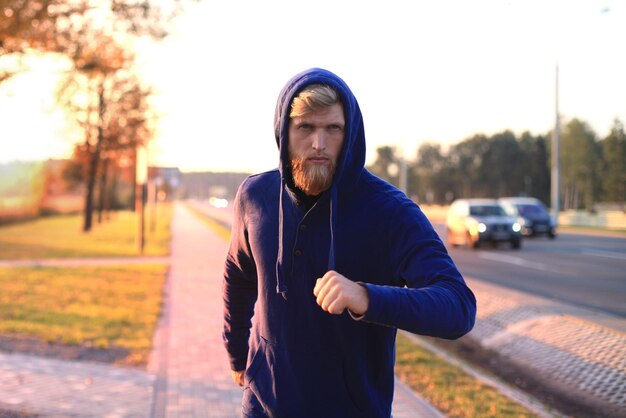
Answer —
315 142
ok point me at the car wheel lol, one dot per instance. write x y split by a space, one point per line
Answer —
552 235
516 244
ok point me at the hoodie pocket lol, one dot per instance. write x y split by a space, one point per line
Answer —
256 382
254 364
266 378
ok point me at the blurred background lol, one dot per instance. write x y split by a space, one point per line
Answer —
114 112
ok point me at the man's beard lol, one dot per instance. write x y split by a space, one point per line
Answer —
312 179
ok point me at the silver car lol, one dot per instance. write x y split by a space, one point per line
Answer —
472 222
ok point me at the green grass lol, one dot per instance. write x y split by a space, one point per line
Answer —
449 388
104 307
62 236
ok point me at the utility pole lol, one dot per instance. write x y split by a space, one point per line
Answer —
556 154
140 197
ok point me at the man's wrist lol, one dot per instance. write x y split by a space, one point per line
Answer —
360 311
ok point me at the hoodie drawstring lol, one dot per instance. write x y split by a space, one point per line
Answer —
281 286
333 221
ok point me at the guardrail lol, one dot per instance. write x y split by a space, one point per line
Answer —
611 219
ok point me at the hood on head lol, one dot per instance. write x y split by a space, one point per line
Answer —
352 158
350 164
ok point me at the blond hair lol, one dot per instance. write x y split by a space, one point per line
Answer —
313 98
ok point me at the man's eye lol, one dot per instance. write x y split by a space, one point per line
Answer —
334 127
305 126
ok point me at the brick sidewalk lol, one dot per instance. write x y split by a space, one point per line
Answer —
193 377
57 388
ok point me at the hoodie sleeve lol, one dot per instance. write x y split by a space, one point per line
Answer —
436 301
239 288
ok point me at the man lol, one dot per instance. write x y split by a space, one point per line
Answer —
336 260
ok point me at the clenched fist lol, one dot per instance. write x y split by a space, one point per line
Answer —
336 293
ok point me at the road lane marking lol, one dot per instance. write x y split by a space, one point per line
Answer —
607 254
518 261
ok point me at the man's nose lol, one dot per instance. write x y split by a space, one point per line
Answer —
319 140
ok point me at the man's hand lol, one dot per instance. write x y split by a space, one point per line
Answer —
335 293
238 376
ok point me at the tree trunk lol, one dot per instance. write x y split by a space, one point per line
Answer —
589 198
93 164
102 194
111 194
133 181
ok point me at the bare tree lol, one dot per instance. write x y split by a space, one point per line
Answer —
116 119
85 94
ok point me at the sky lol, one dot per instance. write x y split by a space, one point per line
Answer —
421 71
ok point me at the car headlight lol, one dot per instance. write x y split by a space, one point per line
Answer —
516 227
482 227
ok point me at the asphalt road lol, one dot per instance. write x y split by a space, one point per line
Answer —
582 270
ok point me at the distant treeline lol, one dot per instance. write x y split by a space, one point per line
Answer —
499 165
504 164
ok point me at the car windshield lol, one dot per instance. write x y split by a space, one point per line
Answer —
486 210
527 210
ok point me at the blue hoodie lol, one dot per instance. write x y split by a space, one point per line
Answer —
301 361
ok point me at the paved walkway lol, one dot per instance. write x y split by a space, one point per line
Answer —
188 374
190 359
57 388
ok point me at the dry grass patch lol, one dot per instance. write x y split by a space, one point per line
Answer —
103 307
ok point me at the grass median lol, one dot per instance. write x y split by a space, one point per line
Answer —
110 309
220 229
449 388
